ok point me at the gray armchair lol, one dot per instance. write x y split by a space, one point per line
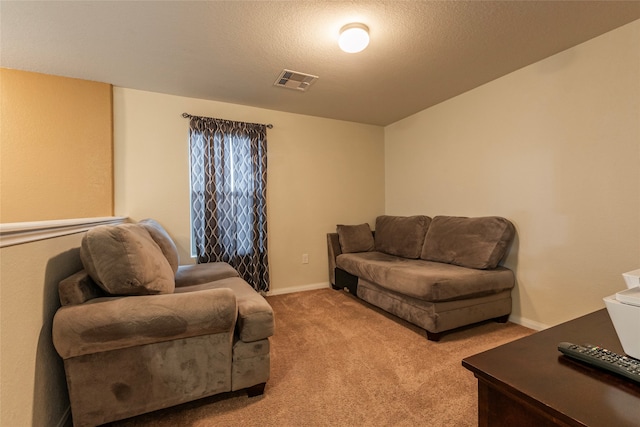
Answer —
133 341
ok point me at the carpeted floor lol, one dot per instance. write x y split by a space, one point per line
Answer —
337 361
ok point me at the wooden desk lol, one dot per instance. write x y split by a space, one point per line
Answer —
529 383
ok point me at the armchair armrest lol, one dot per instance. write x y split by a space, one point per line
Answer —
198 274
255 315
106 324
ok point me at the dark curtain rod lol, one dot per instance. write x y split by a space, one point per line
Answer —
188 116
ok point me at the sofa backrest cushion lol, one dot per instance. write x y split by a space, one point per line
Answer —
468 242
162 239
355 238
401 236
124 260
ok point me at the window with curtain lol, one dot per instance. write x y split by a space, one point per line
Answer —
228 195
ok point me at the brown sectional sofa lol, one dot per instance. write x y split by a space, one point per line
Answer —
137 332
439 274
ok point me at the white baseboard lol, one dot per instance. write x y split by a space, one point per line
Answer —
302 288
65 420
527 323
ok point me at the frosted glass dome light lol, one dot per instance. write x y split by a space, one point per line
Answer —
354 38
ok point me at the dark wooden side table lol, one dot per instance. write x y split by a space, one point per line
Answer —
529 383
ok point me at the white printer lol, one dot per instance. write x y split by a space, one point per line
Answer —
624 310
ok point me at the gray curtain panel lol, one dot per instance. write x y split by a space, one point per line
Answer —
229 195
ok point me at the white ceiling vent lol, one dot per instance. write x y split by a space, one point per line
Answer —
295 80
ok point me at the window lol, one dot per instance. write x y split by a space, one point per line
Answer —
228 196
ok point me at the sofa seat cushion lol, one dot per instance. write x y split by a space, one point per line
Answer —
255 316
469 242
425 280
401 235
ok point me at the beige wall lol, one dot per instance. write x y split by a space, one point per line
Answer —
320 172
33 390
555 147
55 163
56 147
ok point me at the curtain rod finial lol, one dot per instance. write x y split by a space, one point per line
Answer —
189 116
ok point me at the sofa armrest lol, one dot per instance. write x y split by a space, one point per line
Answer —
106 324
334 249
255 318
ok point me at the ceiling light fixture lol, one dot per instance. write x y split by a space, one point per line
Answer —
354 38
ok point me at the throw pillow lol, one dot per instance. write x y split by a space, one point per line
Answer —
468 242
401 236
355 238
124 260
162 239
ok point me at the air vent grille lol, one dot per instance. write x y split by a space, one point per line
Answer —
295 80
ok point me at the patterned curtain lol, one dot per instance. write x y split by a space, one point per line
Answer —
228 195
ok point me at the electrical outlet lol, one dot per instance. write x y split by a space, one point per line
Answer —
305 258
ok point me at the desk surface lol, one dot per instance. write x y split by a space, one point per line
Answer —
532 369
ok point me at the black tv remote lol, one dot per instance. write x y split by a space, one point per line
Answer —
603 358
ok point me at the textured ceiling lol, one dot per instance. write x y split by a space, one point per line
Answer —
421 52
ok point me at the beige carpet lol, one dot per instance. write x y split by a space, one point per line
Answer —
337 361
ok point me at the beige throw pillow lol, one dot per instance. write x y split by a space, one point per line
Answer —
355 238
124 260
